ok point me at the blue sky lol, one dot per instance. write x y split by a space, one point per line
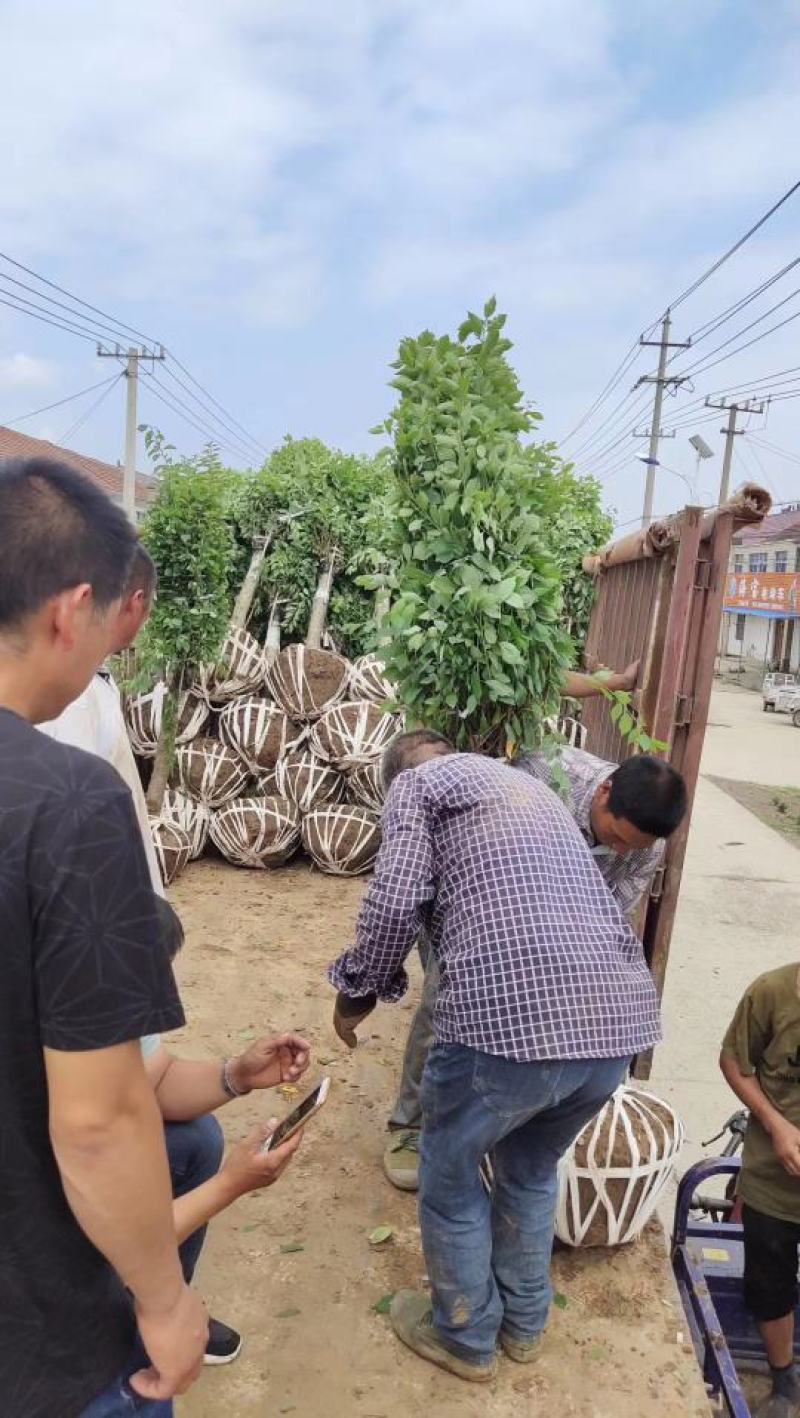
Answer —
281 189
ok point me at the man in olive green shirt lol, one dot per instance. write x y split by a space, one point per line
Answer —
761 1062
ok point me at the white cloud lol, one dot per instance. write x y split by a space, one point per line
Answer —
24 372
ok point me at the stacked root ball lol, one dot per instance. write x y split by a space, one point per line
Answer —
272 757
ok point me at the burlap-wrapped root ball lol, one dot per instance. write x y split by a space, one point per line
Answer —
368 680
210 772
239 670
611 1179
365 785
259 732
144 713
173 848
352 734
307 682
256 832
191 816
342 839
308 782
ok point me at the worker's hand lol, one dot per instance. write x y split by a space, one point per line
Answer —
628 679
175 1338
248 1167
349 1013
277 1058
786 1144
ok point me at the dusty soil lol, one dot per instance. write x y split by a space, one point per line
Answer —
257 946
777 807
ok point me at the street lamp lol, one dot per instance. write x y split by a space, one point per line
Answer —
702 450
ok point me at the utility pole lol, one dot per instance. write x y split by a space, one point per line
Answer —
131 360
745 406
661 380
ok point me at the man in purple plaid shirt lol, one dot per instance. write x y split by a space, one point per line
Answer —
544 997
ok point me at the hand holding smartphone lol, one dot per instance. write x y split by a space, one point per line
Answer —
298 1118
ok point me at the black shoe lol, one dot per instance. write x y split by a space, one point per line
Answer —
224 1344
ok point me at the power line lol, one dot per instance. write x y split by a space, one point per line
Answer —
230 426
625 363
59 324
79 422
164 398
131 330
9 423
701 365
203 390
703 331
87 321
690 290
213 425
774 449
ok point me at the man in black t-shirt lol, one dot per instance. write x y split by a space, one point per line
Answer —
88 1251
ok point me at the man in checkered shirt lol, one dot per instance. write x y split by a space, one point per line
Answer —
624 814
544 997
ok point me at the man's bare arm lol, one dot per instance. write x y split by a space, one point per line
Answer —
784 1136
108 1139
576 685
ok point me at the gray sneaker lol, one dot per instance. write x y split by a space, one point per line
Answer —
412 1322
401 1160
522 1351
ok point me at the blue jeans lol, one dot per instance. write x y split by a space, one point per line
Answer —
488 1258
195 1152
120 1400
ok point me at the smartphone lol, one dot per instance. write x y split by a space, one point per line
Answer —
299 1116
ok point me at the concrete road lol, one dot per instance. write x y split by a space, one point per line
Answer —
739 911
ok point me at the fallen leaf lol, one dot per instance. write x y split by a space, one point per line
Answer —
560 1301
598 1352
288 1090
384 1304
287 1314
291 1248
253 1226
380 1234
247 1033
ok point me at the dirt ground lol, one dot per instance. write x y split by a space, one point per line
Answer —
292 1267
777 807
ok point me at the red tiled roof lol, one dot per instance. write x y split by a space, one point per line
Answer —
780 525
106 475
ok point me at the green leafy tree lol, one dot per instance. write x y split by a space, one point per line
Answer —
188 535
327 500
475 641
575 522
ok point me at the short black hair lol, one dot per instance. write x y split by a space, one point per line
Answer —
403 752
142 575
649 793
57 530
171 926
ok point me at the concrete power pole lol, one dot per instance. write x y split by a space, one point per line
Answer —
661 380
131 360
745 406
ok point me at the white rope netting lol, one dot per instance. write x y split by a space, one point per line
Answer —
211 772
173 848
267 785
192 817
308 782
256 832
352 734
240 669
259 732
368 680
365 785
144 713
342 840
611 1179
306 682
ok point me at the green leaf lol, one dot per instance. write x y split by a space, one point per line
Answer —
380 1235
384 1305
292 1247
490 306
625 724
287 1314
560 1301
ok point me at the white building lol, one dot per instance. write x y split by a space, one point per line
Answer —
762 600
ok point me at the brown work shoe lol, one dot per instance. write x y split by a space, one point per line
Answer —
401 1160
412 1321
522 1351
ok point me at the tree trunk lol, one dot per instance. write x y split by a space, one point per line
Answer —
272 644
383 601
247 593
319 606
165 748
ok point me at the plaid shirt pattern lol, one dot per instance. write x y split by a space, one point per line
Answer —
627 877
537 962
